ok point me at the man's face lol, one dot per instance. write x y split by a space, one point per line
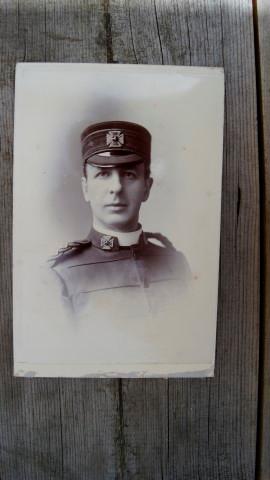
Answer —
116 194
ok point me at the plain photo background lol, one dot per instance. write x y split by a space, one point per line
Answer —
182 107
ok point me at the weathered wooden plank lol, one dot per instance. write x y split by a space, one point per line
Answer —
49 428
145 429
135 39
91 422
262 22
30 439
75 31
211 423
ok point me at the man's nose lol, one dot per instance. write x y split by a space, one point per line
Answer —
115 182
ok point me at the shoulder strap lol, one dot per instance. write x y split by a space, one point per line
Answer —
74 245
162 239
71 246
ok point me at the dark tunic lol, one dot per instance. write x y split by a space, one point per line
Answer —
98 277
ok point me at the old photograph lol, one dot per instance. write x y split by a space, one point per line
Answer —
117 196
117 268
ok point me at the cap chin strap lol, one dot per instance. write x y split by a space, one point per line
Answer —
118 153
100 166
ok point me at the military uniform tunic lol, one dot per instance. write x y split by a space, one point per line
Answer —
98 277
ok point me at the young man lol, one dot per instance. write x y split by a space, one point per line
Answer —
117 271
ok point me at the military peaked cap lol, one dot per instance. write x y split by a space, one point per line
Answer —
115 143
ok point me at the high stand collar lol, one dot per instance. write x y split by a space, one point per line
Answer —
111 243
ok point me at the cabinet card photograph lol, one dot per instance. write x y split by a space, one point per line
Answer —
117 197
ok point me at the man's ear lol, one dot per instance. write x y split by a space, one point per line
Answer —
148 186
85 188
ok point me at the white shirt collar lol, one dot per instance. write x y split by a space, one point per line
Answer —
125 239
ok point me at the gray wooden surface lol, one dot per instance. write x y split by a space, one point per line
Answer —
263 73
187 429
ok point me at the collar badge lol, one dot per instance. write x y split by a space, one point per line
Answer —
107 242
115 138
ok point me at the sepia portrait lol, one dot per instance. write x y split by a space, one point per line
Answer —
117 192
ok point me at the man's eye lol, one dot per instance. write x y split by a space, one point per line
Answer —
131 175
102 174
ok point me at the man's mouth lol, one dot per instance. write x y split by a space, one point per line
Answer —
116 206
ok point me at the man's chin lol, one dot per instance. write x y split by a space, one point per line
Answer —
118 224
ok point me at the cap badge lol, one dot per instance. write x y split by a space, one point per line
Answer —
115 138
106 242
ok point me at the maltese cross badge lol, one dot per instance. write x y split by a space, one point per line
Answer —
106 242
115 138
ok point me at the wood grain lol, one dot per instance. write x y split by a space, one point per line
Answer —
142 429
262 19
50 429
211 423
